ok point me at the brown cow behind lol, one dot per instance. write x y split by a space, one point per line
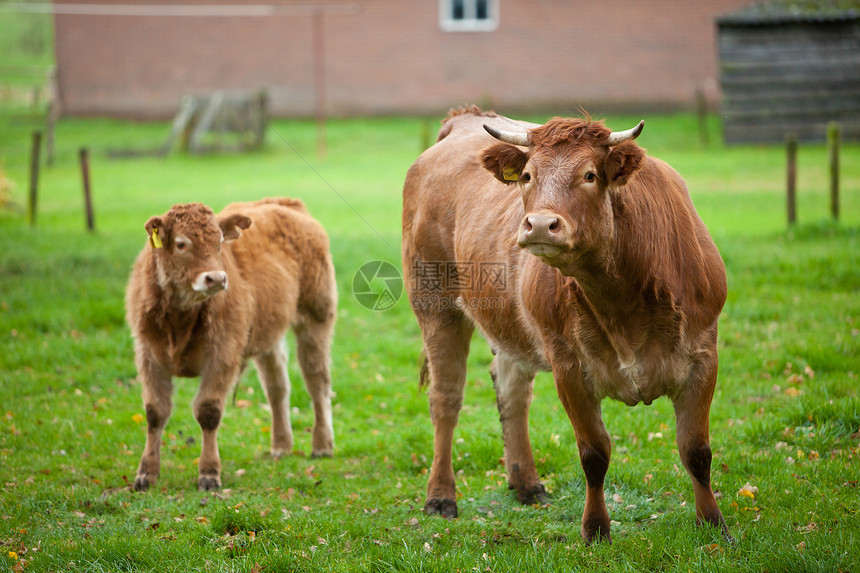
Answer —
209 292
574 252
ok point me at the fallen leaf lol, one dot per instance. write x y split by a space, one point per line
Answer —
748 491
793 392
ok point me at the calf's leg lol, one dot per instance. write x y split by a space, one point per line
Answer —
272 368
215 385
446 345
313 341
594 446
692 409
514 388
157 389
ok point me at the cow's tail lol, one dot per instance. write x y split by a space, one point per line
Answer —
424 376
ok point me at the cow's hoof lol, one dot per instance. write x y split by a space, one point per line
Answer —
322 454
209 483
534 495
445 507
141 483
593 532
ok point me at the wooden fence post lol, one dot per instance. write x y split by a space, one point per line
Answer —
85 173
791 179
833 144
34 175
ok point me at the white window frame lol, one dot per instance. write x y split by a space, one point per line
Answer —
470 22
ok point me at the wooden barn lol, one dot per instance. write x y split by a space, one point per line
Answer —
138 58
790 66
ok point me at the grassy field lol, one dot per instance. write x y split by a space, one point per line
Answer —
785 417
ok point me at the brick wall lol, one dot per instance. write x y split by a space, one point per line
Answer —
390 56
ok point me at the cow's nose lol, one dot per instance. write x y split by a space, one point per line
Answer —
217 279
211 281
541 224
546 228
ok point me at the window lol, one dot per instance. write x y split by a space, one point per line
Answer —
468 15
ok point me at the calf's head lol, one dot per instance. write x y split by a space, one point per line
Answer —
567 173
186 247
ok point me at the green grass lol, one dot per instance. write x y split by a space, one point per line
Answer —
70 434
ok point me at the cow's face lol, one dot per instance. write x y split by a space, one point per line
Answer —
186 246
567 177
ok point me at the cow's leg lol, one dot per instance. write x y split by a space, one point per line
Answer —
157 389
692 409
272 368
446 344
215 385
313 342
594 445
513 397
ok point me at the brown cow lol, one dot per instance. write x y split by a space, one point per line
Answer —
575 252
209 292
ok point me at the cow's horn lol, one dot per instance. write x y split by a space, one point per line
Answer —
617 137
517 138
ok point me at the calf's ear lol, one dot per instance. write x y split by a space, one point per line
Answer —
505 161
622 161
232 225
155 229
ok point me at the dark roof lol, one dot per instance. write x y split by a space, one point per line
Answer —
790 11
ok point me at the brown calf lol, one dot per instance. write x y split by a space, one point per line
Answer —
209 292
575 252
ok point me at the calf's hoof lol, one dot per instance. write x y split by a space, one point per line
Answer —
208 483
322 454
142 483
278 453
445 507
534 495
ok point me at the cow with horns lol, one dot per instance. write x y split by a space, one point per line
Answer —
574 252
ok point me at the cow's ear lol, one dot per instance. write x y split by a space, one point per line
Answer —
505 161
622 161
155 229
232 226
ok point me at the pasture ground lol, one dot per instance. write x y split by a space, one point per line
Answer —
784 423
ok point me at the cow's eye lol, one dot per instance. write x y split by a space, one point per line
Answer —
590 177
180 246
525 177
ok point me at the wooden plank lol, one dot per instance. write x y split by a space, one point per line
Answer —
795 76
813 132
187 108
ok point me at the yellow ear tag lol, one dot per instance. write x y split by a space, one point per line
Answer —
154 239
510 174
